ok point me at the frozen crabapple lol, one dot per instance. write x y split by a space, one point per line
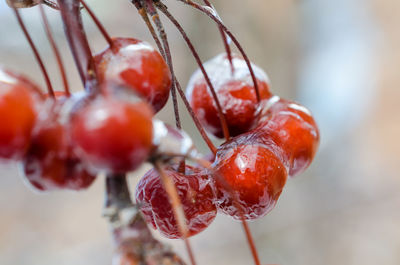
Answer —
19 101
50 163
137 65
291 127
171 143
235 92
195 191
112 134
249 178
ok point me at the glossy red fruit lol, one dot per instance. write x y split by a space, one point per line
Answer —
235 92
291 127
249 179
137 65
113 135
196 195
50 163
19 100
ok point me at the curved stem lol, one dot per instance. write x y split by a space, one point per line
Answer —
229 33
129 229
221 115
73 27
35 51
224 40
153 33
55 49
218 178
177 208
98 23
149 7
196 121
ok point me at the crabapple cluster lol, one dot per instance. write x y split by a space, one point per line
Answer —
63 142
272 139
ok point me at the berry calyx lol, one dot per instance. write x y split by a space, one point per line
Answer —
137 65
19 100
50 163
234 90
249 179
195 192
113 135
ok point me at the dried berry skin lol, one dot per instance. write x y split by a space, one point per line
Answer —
195 192
113 135
50 163
253 174
137 65
291 127
19 100
235 92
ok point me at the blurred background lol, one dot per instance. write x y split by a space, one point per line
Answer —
339 58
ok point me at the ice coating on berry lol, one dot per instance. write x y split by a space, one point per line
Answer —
19 101
292 127
137 65
195 192
113 135
169 142
235 92
50 163
249 180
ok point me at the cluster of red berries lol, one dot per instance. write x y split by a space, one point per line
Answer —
273 138
63 142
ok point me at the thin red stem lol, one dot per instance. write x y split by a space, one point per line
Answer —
196 121
75 33
149 7
177 208
206 164
250 240
55 50
224 40
153 33
35 51
229 33
221 115
98 23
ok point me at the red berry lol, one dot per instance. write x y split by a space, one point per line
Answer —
250 172
137 65
291 127
19 99
196 195
113 135
235 92
50 163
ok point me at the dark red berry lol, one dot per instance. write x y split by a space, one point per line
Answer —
291 127
235 92
249 179
137 65
112 134
19 100
50 163
195 192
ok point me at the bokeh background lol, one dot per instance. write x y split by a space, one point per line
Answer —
340 58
